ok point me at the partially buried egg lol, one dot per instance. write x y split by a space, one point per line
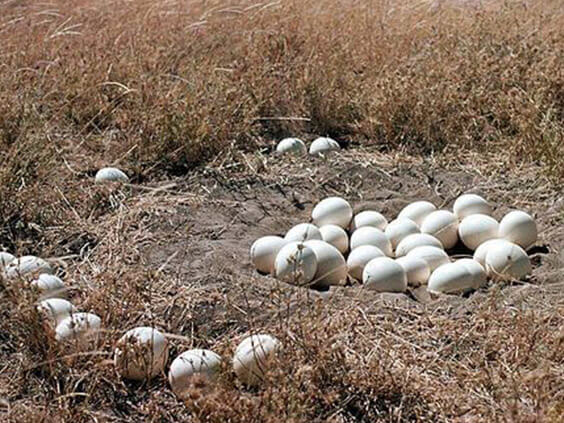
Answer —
56 309
331 265
28 267
264 251
291 146
253 357
78 327
49 286
332 211
383 274
450 278
507 261
5 259
520 228
323 145
188 364
477 271
416 269
295 263
110 174
482 250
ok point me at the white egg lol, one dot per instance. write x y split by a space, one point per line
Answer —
416 269
28 267
264 251
482 250
434 256
507 261
336 236
323 145
303 232
443 225
141 353
291 145
331 265
332 211
476 270
253 357
400 228
417 211
110 174
78 327
188 364
367 235
476 229
295 263
450 278
359 258
5 259
49 286
520 228
56 309
469 204
413 241
369 218
383 274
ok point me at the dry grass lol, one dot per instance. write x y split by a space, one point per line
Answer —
165 89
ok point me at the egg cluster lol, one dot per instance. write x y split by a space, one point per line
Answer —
412 249
321 145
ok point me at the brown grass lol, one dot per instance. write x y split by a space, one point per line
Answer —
165 89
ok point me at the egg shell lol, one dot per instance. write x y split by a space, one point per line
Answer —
50 286
78 327
413 241
476 229
369 218
434 256
5 259
110 174
469 204
331 265
443 225
323 145
417 211
368 235
141 353
332 211
383 274
303 232
292 146
56 309
264 251
27 267
450 278
507 261
359 258
400 228
482 250
416 269
192 362
476 270
253 356
336 236
520 228
295 263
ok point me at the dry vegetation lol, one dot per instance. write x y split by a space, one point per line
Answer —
189 97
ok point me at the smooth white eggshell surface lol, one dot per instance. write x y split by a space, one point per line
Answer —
56 309
332 211
303 232
417 211
476 270
469 204
5 259
476 229
27 266
141 353
383 274
264 251
443 225
331 265
451 278
110 174
78 326
482 250
367 235
359 258
413 241
252 356
520 228
295 263
292 146
188 364
50 286
398 229
433 256
369 218
323 145
416 269
336 236
506 261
